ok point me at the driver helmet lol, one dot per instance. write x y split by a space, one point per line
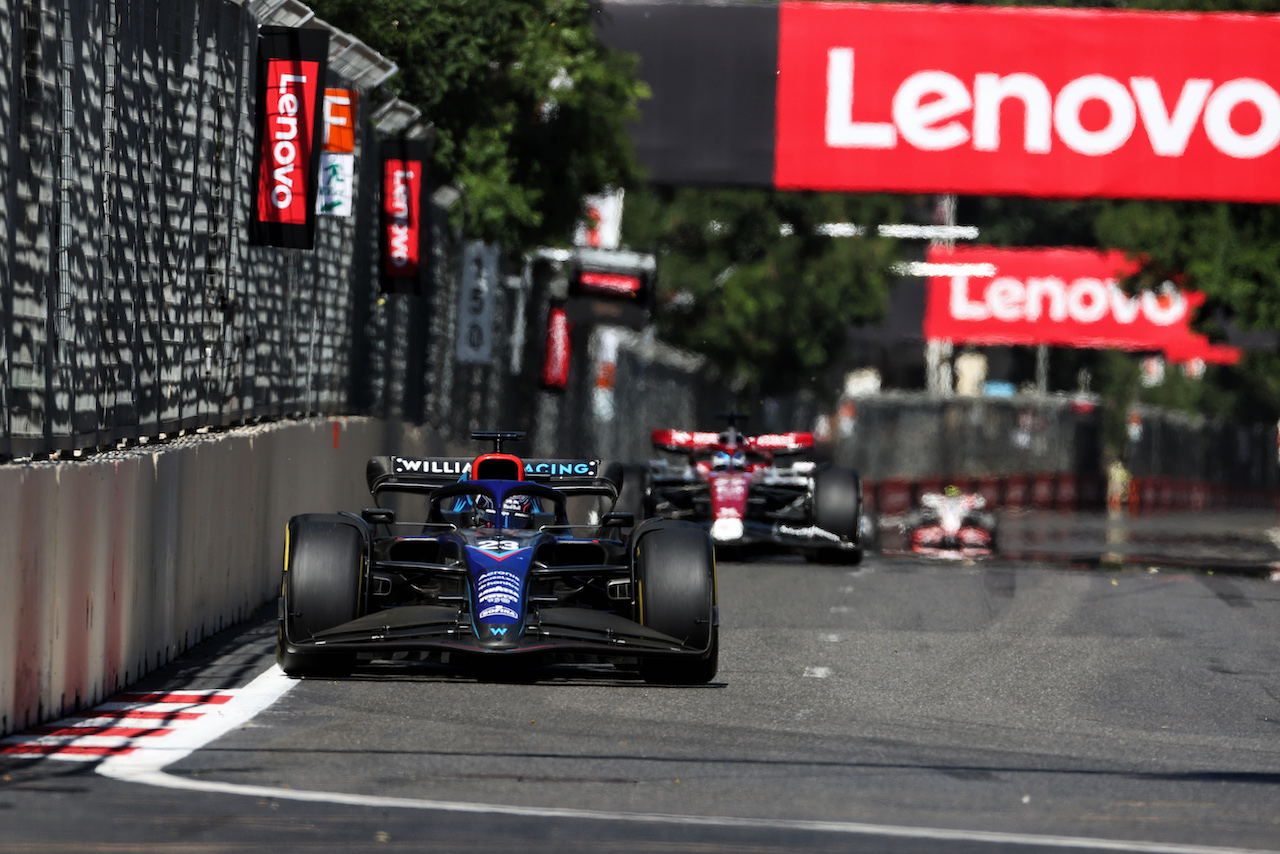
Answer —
517 511
952 491
724 459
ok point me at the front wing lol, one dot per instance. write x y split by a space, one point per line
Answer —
549 631
970 541
782 530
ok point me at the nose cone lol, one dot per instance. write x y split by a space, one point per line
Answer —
499 567
727 530
498 635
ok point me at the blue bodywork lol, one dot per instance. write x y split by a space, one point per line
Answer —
493 568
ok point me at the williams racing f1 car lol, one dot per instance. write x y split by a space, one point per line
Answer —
475 561
731 485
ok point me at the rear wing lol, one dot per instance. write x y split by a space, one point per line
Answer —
782 443
684 441
677 441
571 477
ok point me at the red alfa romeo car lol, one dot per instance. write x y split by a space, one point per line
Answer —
739 489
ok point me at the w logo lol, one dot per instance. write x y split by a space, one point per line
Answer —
494 631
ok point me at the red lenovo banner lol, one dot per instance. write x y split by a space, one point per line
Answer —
291 68
1049 102
598 283
1060 297
558 352
403 237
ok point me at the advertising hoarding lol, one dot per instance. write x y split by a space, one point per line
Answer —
404 238
1049 102
336 185
557 350
972 100
1061 297
475 302
291 69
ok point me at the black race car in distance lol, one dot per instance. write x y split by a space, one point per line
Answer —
475 562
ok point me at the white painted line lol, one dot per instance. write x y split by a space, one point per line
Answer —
817 672
146 766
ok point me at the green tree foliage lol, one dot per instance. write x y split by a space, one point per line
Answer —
529 109
747 277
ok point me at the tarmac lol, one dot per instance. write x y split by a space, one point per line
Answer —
1239 542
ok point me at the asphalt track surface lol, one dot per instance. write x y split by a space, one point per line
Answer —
1101 685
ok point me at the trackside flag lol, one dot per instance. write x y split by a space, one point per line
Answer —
291 67
405 238
336 193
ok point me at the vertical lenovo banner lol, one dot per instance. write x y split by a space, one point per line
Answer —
558 350
291 69
405 240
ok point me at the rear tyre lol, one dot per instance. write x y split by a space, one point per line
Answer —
675 578
837 501
322 584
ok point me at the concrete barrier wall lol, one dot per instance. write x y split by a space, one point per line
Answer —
113 566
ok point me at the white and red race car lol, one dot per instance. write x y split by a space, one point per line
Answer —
951 524
731 484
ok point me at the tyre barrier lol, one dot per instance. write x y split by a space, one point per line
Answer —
112 566
1042 491
890 496
991 489
1017 492
1091 491
1066 497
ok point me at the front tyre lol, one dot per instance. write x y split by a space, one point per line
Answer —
323 573
676 588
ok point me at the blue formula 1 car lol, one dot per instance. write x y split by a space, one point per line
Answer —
475 562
